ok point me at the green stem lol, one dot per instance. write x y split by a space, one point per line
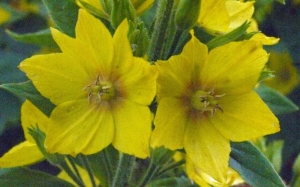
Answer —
151 170
160 29
175 42
173 34
170 167
184 37
124 170
88 168
68 170
72 162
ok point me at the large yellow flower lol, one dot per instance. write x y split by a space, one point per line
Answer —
101 91
206 100
286 74
222 16
26 152
4 15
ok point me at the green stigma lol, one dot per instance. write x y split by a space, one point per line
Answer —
100 91
206 102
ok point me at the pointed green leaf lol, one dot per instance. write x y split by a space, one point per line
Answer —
28 91
229 37
23 177
9 110
64 13
253 166
161 155
277 102
104 164
41 38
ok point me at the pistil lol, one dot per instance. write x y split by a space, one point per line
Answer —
100 91
206 101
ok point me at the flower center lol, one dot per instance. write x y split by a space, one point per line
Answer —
100 91
206 101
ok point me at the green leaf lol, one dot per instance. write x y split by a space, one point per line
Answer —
172 182
277 102
8 67
104 164
229 37
64 13
23 177
28 91
9 110
161 155
42 38
253 166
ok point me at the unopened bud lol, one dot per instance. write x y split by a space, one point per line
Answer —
139 39
122 9
187 14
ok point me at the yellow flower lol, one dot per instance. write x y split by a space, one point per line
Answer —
4 15
204 180
206 100
26 152
222 16
286 74
104 11
101 91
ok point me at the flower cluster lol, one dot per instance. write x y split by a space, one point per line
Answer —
202 98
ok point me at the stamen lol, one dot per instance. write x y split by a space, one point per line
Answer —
206 101
103 90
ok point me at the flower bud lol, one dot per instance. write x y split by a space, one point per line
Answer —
139 39
187 14
122 9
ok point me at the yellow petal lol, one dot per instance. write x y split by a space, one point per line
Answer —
95 37
56 76
23 154
140 8
201 178
207 148
32 116
170 123
177 73
214 16
245 117
80 127
137 81
132 129
78 52
173 73
265 40
234 68
121 45
134 77
196 53
239 12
